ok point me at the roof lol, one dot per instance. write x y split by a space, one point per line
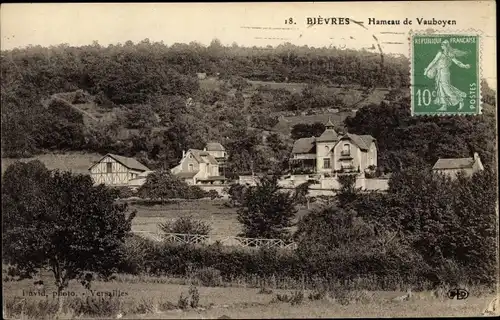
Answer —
328 135
130 163
329 124
214 146
213 178
186 174
304 145
202 156
453 163
362 141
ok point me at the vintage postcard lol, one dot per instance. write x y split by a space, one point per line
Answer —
249 160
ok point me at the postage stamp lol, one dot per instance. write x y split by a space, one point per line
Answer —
445 74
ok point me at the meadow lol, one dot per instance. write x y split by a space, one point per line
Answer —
160 298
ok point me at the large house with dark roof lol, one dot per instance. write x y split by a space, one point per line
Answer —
202 166
331 152
452 166
115 170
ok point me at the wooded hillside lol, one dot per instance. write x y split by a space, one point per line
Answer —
146 100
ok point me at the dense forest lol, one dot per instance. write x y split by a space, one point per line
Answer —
153 92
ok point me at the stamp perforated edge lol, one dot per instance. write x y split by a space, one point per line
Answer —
466 32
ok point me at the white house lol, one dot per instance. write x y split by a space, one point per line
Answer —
115 170
452 166
332 152
202 166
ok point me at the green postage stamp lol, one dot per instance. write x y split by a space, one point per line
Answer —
445 74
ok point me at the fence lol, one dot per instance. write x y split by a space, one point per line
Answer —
225 241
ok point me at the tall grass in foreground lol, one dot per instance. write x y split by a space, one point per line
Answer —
209 277
111 307
98 307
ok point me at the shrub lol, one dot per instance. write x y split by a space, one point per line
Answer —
134 254
96 307
124 192
195 297
183 302
295 298
195 192
186 225
213 194
265 290
209 277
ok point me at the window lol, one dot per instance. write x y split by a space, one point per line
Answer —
346 150
326 163
190 167
190 156
109 167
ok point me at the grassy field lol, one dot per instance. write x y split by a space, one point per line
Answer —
222 219
238 302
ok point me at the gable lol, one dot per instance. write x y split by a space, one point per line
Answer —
363 142
129 163
201 156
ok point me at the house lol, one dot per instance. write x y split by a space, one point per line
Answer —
217 151
202 166
201 75
452 166
115 170
332 152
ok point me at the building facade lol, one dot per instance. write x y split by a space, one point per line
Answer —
452 166
115 170
202 166
332 153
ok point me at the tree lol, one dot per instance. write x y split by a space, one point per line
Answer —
446 220
332 228
348 191
302 192
236 193
267 211
162 185
304 130
61 222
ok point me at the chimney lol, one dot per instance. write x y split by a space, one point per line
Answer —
183 153
476 156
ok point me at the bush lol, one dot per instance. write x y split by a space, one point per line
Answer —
209 277
195 192
213 194
186 225
124 192
294 298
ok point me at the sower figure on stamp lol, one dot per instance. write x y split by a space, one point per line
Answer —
446 94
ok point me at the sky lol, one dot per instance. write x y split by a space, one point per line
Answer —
247 24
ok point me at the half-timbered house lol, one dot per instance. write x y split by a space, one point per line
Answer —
115 170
